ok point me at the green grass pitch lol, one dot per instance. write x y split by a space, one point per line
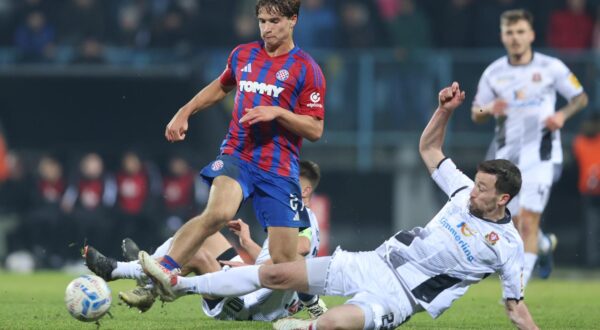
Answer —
36 302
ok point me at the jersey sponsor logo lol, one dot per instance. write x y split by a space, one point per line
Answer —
247 68
282 75
574 81
465 230
464 246
315 97
217 165
492 238
260 88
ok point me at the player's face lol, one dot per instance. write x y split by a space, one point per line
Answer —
484 198
517 37
275 29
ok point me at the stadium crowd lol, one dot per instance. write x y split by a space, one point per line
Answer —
38 29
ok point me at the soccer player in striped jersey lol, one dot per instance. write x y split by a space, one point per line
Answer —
519 91
279 101
424 269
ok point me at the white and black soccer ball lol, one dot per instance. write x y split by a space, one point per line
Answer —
88 298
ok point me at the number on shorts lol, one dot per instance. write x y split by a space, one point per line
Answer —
387 321
235 304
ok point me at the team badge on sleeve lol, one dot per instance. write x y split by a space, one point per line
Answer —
574 81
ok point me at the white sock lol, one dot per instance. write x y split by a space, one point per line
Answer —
163 249
233 282
130 269
544 244
530 259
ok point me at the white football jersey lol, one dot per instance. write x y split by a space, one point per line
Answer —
530 91
438 263
266 304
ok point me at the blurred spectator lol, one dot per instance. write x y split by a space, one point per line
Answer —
317 25
245 24
89 51
408 27
359 28
134 201
87 201
172 31
81 19
459 15
571 27
214 24
184 194
586 148
133 26
3 157
45 224
34 38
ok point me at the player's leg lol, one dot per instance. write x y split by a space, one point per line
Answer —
206 259
339 317
224 200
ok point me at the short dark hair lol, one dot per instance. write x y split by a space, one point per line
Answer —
513 16
508 176
311 171
287 8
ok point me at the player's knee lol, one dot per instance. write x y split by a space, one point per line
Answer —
273 277
213 220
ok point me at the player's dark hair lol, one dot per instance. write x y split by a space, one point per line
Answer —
513 16
286 8
508 176
311 171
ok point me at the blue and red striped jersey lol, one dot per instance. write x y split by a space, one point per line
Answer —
292 81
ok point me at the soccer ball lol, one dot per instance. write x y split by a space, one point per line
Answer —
88 298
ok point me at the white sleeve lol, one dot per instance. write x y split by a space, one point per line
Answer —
449 178
485 93
565 82
511 275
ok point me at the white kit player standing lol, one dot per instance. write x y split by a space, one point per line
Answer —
519 91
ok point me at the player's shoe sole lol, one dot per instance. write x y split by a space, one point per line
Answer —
163 279
292 324
98 263
140 298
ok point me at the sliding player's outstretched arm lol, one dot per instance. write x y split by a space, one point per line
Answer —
519 314
432 138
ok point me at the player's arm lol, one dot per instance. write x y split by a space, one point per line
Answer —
519 314
306 126
247 244
480 114
563 114
432 139
209 95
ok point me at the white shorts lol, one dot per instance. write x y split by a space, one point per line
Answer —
535 189
373 285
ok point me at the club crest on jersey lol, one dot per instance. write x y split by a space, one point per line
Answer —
282 75
492 238
537 77
217 165
260 88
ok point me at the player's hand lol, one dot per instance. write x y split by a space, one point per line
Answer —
498 108
233 263
177 128
451 97
259 114
240 229
556 121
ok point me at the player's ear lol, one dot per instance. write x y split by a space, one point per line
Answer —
504 199
293 21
